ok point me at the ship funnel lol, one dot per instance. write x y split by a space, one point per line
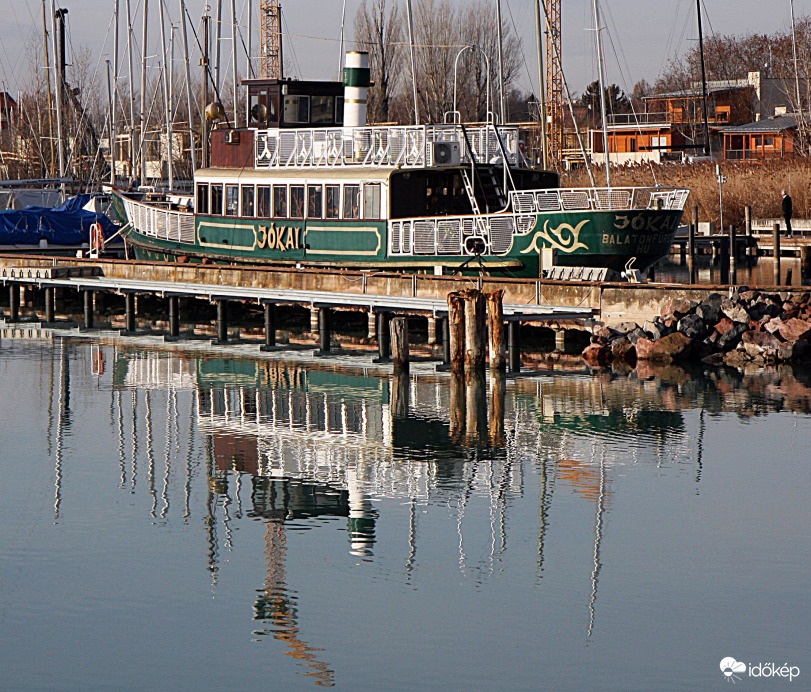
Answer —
356 85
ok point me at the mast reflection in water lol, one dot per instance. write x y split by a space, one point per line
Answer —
446 497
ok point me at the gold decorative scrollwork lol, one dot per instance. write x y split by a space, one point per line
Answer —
565 237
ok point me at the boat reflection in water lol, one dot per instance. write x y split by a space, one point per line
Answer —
319 442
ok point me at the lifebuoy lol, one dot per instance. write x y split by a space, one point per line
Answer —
96 235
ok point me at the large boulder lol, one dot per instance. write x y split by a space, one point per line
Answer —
676 308
653 329
794 329
623 350
731 338
735 311
597 355
709 312
760 345
692 326
675 346
644 348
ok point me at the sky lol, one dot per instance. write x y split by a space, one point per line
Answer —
640 36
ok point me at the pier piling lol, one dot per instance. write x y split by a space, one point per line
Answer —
222 321
475 333
174 317
446 341
324 334
129 309
514 345
399 343
456 328
88 309
495 329
776 252
270 326
49 304
13 302
383 333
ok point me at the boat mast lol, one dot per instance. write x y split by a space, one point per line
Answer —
141 149
58 82
50 95
167 106
341 50
204 93
114 100
707 149
131 89
502 113
189 102
234 74
217 36
601 80
413 61
541 88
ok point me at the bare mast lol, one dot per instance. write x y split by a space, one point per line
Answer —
601 81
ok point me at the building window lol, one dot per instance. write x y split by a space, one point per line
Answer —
202 198
315 202
263 201
216 200
351 201
297 201
247 200
296 109
333 201
632 144
371 201
768 142
231 200
280 201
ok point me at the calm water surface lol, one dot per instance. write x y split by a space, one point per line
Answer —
177 521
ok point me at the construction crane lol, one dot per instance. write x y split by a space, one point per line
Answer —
554 82
270 14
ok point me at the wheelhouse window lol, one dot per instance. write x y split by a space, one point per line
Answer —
231 200
351 201
247 200
323 109
333 199
216 200
263 201
202 198
297 109
280 201
297 201
315 202
371 201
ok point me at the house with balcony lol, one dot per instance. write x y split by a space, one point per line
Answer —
768 138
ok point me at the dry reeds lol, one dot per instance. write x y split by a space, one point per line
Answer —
755 184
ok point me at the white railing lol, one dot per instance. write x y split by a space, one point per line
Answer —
164 224
406 146
598 199
488 234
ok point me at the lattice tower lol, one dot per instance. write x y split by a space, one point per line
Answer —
554 82
270 14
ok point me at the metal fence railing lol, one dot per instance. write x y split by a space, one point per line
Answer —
164 224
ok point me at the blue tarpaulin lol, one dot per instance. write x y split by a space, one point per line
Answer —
67 224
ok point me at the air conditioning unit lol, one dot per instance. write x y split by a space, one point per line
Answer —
447 154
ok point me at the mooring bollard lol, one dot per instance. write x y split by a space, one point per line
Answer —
495 329
399 343
456 331
776 252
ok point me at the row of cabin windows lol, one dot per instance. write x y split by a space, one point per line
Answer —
289 201
297 109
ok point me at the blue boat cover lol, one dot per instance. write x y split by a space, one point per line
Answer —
67 224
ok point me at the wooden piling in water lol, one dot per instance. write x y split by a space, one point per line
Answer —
49 304
270 326
495 329
751 247
514 345
88 309
496 407
324 333
383 334
174 317
222 321
776 252
457 405
129 310
475 329
456 331
691 251
399 343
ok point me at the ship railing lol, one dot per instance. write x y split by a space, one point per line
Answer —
598 199
486 234
407 146
163 224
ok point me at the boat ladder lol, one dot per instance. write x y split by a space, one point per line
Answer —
481 224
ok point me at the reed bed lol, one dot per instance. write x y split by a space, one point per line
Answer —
755 184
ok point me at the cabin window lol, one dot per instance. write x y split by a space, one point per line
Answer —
280 201
216 200
263 201
247 200
333 201
258 111
297 109
297 201
315 202
339 110
758 142
202 198
323 109
768 141
632 142
371 201
231 200
352 201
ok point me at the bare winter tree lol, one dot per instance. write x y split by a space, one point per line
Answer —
378 29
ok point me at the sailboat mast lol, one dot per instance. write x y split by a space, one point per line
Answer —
58 83
601 79
130 41
541 88
167 105
50 95
141 147
189 103
707 149
413 61
114 100
234 71
500 65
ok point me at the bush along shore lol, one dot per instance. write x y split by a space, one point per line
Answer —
748 326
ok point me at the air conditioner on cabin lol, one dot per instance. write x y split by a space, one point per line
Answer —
447 154
232 137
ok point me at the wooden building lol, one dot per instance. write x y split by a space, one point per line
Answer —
763 139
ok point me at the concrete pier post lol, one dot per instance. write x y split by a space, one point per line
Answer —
432 331
324 334
88 309
174 317
49 304
222 321
446 340
514 345
129 309
776 252
383 334
13 302
314 319
371 326
400 355
560 339
270 326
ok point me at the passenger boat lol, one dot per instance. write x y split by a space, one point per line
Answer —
308 183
